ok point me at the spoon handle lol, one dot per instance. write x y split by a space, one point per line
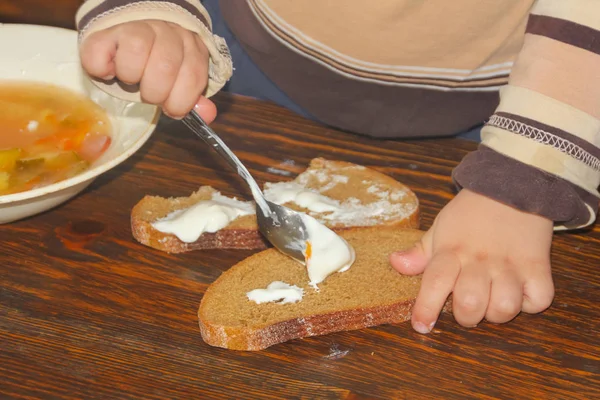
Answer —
197 125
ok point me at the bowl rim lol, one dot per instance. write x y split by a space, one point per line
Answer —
92 172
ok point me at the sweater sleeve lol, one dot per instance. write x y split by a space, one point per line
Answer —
95 15
540 151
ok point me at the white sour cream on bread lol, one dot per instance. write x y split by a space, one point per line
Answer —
205 216
291 192
325 252
277 291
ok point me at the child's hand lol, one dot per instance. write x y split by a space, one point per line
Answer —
168 62
495 259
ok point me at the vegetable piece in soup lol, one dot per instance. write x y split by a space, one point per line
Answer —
49 134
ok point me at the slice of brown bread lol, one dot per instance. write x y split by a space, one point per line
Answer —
242 233
368 197
370 293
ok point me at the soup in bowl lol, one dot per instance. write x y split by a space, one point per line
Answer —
59 130
49 134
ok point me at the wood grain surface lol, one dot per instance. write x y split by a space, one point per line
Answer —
44 12
87 313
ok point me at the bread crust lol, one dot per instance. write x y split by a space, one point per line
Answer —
255 339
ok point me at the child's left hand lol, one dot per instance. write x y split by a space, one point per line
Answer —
493 258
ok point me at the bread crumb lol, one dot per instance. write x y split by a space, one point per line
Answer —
278 171
307 326
398 195
335 353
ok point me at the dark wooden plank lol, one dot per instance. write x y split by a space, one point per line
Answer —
86 312
59 13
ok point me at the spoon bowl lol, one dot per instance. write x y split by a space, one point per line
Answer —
284 228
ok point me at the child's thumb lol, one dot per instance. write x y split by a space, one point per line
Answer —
412 261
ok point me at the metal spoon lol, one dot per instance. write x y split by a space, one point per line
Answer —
281 226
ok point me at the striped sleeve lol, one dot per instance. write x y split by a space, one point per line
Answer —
95 15
540 151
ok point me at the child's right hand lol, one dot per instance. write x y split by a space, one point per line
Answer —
169 63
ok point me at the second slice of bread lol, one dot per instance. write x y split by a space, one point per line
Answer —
373 199
370 293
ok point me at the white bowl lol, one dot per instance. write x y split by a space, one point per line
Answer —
45 54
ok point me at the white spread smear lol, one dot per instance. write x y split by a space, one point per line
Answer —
292 192
277 291
325 251
335 180
350 212
205 216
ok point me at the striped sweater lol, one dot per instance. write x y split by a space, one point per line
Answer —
530 68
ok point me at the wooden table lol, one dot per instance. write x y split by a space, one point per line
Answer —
87 313
55 12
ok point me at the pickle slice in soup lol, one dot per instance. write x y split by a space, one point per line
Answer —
77 168
50 160
25 163
61 160
71 170
8 159
26 171
45 168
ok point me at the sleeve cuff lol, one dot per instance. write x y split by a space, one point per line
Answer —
96 15
526 188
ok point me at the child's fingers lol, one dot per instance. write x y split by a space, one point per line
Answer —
471 295
538 291
506 298
206 109
191 80
436 285
169 63
163 65
135 44
97 55
411 262
414 261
